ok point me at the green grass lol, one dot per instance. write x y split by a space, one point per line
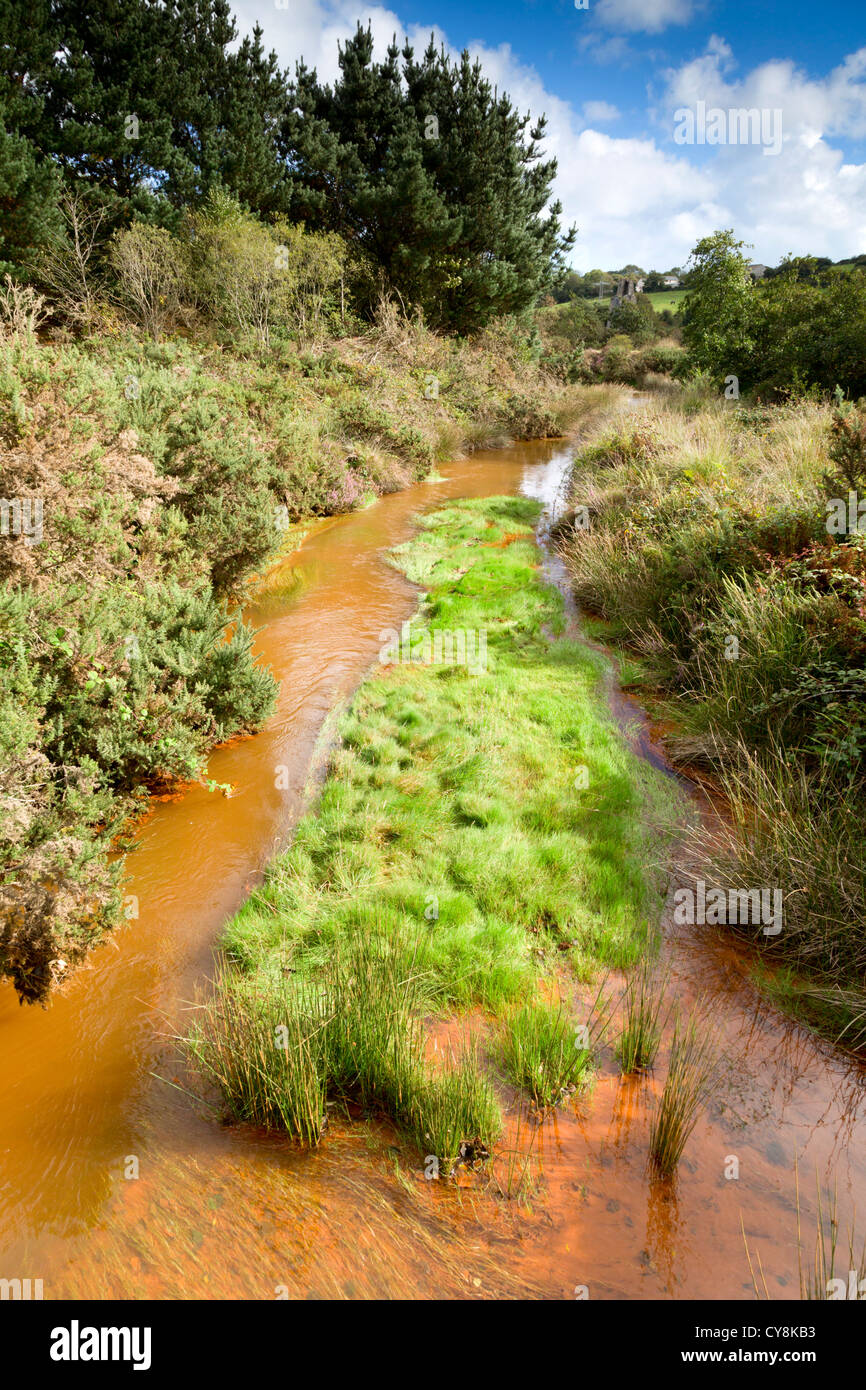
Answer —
494 826
666 299
453 799
692 1072
549 1054
280 1052
645 1018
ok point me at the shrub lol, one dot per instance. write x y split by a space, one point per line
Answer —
70 266
22 310
255 279
848 446
664 358
146 262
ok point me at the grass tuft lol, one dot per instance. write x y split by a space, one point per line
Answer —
354 1034
645 1018
692 1073
549 1054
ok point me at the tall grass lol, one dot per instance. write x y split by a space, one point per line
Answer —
279 1052
821 1276
265 1051
692 1075
548 1053
800 831
515 1169
645 1016
826 1275
708 553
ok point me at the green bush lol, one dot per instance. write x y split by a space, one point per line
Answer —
665 359
256 279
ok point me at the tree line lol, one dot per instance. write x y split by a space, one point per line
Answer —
802 329
147 110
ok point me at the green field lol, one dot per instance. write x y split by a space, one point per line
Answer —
666 299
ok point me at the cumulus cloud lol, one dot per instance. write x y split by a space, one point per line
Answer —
644 16
806 198
599 112
643 198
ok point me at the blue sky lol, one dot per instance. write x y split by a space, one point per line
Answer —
614 79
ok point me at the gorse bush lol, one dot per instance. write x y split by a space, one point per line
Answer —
111 692
166 474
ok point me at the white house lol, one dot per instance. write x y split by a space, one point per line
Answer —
671 282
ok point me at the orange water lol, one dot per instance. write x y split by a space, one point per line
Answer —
214 1212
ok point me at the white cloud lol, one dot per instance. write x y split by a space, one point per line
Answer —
644 16
805 199
599 111
647 200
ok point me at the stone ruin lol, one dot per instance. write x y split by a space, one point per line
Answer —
625 293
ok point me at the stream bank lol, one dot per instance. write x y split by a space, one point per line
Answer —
223 1213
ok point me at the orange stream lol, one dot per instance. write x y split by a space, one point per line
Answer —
221 1213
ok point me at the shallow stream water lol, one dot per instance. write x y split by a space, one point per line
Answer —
113 1183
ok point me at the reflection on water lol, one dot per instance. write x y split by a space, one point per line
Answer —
218 1213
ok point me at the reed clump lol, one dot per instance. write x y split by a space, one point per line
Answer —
644 1019
280 1051
692 1075
828 1276
550 1054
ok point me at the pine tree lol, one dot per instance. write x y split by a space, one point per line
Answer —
433 175
103 118
252 167
29 187
29 214
143 103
